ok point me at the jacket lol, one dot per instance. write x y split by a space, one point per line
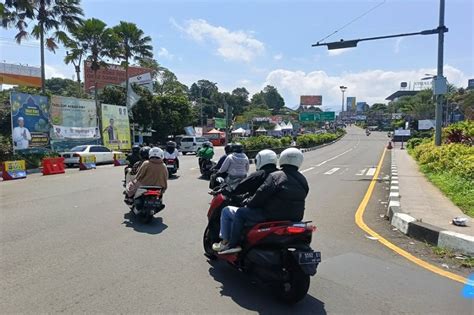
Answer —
282 195
235 165
153 173
220 162
250 184
206 153
132 159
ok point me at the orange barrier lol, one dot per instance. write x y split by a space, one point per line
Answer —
53 166
13 170
120 159
86 162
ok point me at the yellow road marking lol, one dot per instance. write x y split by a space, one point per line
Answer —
360 222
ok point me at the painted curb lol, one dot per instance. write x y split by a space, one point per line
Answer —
422 231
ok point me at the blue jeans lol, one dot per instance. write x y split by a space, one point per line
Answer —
227 217
242 216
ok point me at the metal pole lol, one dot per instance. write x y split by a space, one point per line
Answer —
439 75
342 109
200 101
227 133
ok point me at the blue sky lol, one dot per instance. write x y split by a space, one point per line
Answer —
254 43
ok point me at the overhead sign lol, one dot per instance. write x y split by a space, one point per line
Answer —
110 75
116 127
20 75
30 121
314 100
322 116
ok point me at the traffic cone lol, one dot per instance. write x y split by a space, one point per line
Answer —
389 145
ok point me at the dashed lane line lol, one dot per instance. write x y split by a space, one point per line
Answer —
332 171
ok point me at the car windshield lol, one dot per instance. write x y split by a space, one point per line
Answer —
187 140
79 148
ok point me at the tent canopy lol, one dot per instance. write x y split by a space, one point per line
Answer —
239 130
277 128
214 131
261 129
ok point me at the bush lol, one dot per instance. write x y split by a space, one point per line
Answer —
414 142
312 140
261 142
461 132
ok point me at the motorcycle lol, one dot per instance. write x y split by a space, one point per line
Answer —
206 168
277 254
367 133
172 166
147 201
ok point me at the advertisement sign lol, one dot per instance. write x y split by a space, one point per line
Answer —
13 170
402 132
30 121
87 162
314 100
20 75
116 127
426 124
198 131
361 107
470 84
351 104
109 75
144 80
73 118
120 159
189 130
422 85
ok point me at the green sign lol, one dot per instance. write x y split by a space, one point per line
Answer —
321 116
219 123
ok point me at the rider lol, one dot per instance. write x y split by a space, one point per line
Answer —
205 153
144 151
134 156
171 153
151 173
236 165
212 181
280 198
266 163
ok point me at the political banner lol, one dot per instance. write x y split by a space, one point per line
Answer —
116 127
30 121
13 170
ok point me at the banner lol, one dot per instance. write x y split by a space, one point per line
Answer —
73 118
30 121
351 104
20 75
111 74
219 123
315 100
116 127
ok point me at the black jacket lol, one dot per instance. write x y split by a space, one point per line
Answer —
251 183
132 159
282 195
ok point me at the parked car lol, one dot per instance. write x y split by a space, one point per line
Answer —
190 144
102 154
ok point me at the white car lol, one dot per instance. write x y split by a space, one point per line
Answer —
102 154
190 144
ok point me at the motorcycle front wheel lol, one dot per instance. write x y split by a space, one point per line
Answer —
293 289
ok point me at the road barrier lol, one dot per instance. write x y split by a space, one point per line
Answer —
120 159
53 166
13 170
87 162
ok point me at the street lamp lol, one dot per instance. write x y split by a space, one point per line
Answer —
343 90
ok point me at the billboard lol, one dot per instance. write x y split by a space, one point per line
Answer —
73 118
30 121
361 107
110 75
115 127
321 116
351 104
311 100
20 75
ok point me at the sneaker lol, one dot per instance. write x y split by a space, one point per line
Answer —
217 247
231 250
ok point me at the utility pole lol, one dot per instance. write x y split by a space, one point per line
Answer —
438 88
200 102
227 133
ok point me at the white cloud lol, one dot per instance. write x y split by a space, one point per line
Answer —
56 72
232 45
337 52
370 86
164 53
278 57
397 45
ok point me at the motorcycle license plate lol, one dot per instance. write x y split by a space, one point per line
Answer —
170 166
153 202
308 258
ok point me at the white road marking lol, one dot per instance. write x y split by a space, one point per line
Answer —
307 170
335 157
371 171
332 171
361 172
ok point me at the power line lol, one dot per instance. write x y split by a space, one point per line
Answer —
352 21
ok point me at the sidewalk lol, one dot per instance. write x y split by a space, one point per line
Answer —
421 210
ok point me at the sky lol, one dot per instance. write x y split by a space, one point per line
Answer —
256 43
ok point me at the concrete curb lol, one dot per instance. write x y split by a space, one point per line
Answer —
421 231
252 161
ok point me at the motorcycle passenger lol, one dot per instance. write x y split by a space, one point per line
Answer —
206 153
171 153
151 173
266 163
215 169
134 157
143 157
280 198
236 165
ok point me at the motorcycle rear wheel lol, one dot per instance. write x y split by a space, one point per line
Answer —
207 244
294 289
145 218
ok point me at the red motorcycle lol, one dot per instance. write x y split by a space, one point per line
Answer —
277 253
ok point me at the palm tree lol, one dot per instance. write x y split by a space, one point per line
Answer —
74 55
132 44
50 18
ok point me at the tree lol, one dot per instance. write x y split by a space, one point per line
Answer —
115 95
63 87
132 45
49 17
167 84
419 106
239 100
273 99
74 55
258 100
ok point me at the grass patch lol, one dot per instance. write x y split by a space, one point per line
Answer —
446 253
459 189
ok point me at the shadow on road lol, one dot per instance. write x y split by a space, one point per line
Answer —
174 177
243 291
154 227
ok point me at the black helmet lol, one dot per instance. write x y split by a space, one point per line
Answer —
228 148
135 149
206 144
237 147
171 144
144 152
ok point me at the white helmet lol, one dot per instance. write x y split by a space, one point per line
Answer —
265 157
291 156
156 153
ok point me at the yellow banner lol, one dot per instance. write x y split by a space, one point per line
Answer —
120 156
115 127
87 159
13 166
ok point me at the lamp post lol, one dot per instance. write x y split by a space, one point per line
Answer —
343 90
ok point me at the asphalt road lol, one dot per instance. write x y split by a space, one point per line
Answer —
69 245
